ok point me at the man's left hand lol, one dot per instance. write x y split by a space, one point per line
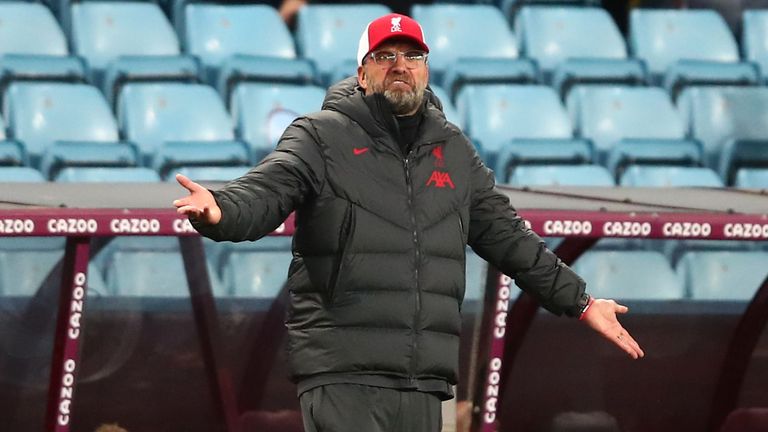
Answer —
601 316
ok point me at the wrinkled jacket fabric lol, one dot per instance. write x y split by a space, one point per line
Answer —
377 278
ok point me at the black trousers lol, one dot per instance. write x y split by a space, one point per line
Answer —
361 408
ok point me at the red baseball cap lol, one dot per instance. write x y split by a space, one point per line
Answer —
387 27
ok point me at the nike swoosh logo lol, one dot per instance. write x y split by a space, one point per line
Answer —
359 151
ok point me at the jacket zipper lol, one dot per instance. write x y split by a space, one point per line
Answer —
417 254
344 237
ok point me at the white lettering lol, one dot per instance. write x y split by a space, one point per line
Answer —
686 229
76 306
567 227
492 390
72 226
746 230
65 395
627 229
183 226
16 226
134 226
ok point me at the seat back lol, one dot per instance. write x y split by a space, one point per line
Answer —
103 31
329 34
30 28
662 37
561 175
606 115
631 275
40 114
550 35
495 114
152 114
723 275
453 31
263 111
754 33
215 32
107 174
256 274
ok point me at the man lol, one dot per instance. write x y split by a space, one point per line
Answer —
387 194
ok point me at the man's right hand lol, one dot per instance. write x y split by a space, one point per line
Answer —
199 204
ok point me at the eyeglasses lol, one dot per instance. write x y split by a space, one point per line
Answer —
413 59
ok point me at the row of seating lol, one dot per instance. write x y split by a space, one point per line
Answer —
225 44
171 126
152 267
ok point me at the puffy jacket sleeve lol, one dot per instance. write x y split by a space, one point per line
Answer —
257 203
499 235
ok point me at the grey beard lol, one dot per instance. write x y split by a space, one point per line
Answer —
404 102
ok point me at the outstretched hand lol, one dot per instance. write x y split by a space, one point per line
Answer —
199 204
601 316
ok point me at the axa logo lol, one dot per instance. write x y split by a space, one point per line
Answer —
440 179
395 25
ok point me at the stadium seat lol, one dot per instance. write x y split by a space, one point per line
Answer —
448 108
752 178
669 176
742 154
495 114
152 274
328 34
576 45
256 274
22 271
754 32
107 35
561 175
209 173
451 32
477 269
30 28
723 275
629 275
521 151
172 155
40 114
263 111
106 175
33 47
472 70
12 153
151 115
687 47
61 155
717 115
510 8
20 174
621 119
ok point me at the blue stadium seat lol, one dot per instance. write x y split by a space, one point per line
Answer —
106 35
12 153
273 70
510 8
609 115
172 155
153 114
629 275
670 176
542 152
452 32
754 32
328 34
30 28
576 45
152 274
61 155
472 70
448 108
215 32
256 274
263 111
41 114
689 47
477 269
20 174
23 270
723 275
561 175
495 114
742 154
106 175
717 115
752 178
209 173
